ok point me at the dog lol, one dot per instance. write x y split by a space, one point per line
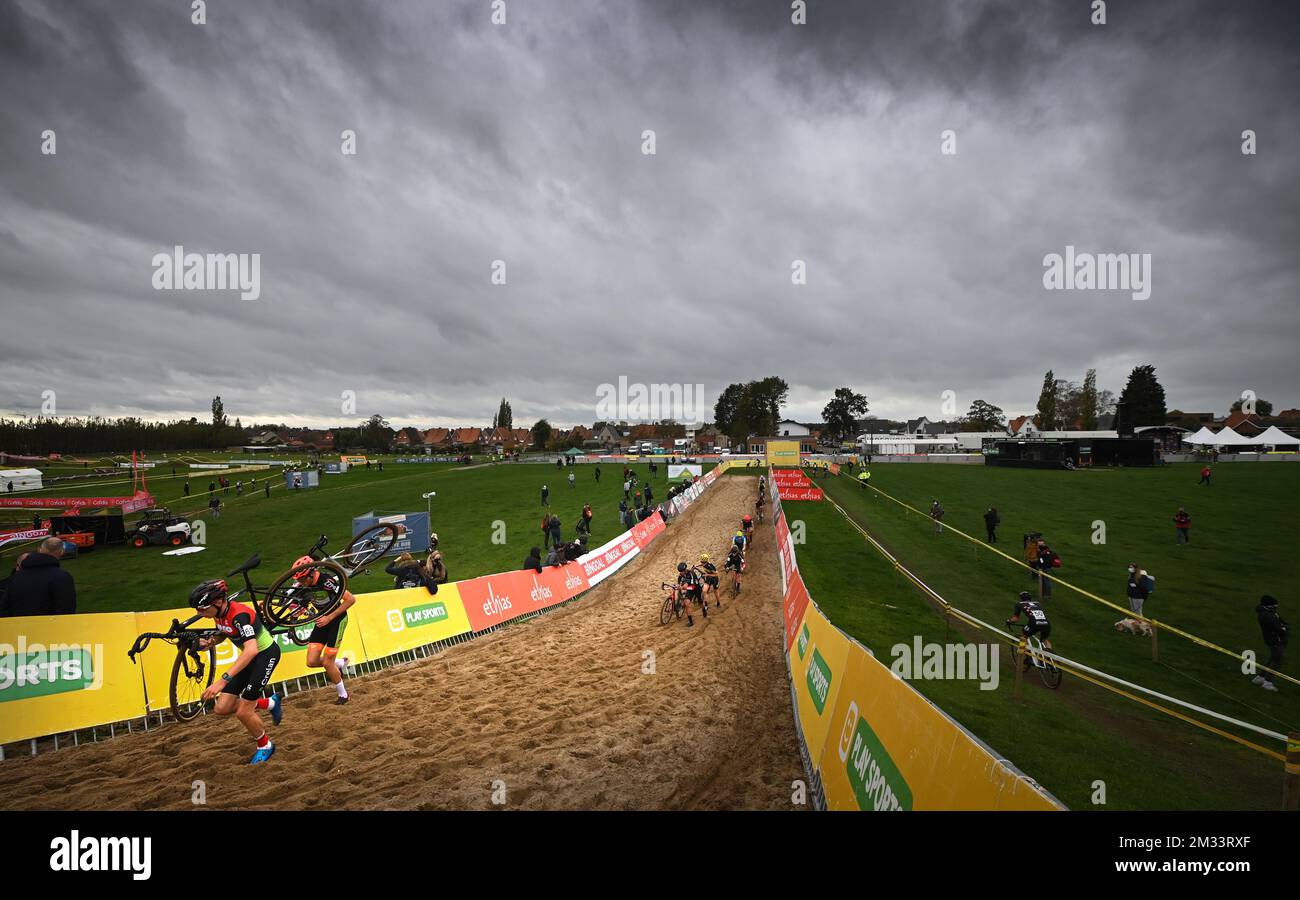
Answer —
1134 626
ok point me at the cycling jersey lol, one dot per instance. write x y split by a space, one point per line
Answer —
734 562
1037 617
241 624
710 573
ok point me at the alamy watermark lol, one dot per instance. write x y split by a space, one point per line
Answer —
920 661
637 402
1098 272
181 271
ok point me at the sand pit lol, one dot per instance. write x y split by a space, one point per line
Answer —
557 711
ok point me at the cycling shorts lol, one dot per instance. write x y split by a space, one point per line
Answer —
332 634
1040 629
249 683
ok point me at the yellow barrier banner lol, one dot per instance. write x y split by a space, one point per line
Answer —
59 673
393 621
783 453
894 750
817 658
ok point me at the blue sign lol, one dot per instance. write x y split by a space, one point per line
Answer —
412 530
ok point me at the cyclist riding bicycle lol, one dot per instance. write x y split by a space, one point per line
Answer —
1036 624
747 527
239 689
758 505
709 574
691 589
327 631
738 540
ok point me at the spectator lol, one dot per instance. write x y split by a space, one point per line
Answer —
215 505
10 488
1183 526
212 486
239 488
36 520
534 560
1275 631
434 565
267 488
991 522
38 587
546 494
936 513
597 474
556 538
627 488
573 480
407 572
546 530
1205 476
186 488
1138 588
1046 561
649 494
587 515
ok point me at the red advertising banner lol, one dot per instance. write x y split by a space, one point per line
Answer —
647 530
494 599
139 501
805 493
795 602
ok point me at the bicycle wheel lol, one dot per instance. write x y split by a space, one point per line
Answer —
289 604
192 674
1050 674
367 547
666 611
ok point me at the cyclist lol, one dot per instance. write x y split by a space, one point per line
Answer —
1036 621
747 527
239 689
738 540
709 574
758 505
735 564
691 590
327 631
762 485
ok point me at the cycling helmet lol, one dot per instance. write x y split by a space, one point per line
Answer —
704 557
1025 595
208 593
681 567
301 569
740 534
748 518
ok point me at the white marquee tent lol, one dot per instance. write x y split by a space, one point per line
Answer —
21 479
1273 436
1225 438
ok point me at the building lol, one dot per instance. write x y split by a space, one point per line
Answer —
790 428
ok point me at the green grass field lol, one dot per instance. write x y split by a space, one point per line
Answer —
468 504
1069 738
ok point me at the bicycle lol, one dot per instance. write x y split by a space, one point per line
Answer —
194 668
1030 645
676 602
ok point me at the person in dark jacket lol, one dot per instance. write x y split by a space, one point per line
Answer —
40 587
534 560
1183 526
1139 588
1046 562
1275 631
556 533
408 572
991 522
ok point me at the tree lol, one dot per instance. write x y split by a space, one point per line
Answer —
766 399
1088 401
1143 399
1047 403
1262 407
842 413
218 413
504 417
541 434
376 433
727 409
983 417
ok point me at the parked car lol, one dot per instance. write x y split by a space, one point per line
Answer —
157 527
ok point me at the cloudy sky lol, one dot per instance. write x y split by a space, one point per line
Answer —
523 142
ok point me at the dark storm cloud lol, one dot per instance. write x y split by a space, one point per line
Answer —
522 143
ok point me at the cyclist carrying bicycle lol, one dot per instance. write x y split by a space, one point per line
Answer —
735 563
691 589
327 631
709 574
1036 620
239 690
758 505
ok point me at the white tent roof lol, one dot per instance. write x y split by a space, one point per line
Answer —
20 473
1274 435
1204 436
1228 438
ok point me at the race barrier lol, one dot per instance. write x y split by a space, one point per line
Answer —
64 673
871 741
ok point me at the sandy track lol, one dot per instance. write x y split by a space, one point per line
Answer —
557 709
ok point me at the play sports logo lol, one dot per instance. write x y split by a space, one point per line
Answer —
417 616
103 854
877 784
38 670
